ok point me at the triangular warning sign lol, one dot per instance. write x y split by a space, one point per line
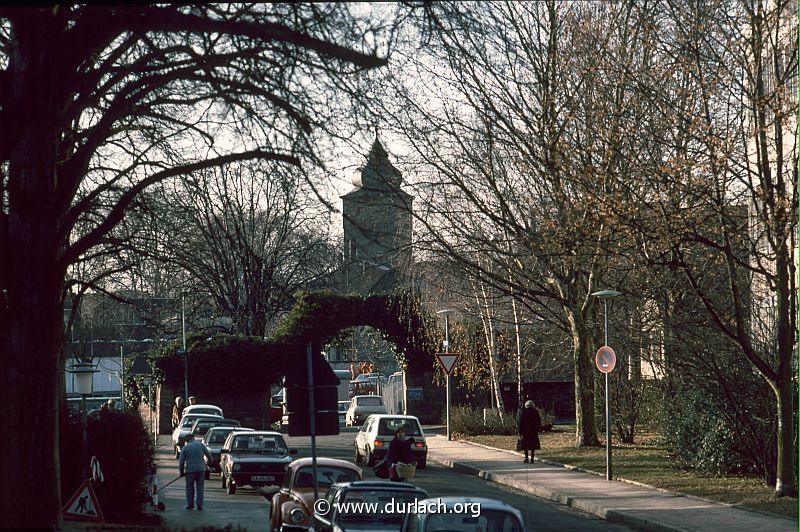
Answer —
448 361
83 505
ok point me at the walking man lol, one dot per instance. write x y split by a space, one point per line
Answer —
193 467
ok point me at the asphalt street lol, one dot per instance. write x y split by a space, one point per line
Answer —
247 509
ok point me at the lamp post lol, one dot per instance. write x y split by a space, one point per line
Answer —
84 375
605 295
184 352
446 313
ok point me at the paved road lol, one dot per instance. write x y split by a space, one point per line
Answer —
249 510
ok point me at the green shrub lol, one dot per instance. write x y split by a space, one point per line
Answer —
469 421
125 452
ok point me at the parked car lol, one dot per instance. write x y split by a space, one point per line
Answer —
214 440
352 496
253 458
184 428
211 410
361 406
343 406
372 439
292 505
475 513
202 426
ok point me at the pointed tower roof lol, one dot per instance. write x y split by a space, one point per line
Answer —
378 172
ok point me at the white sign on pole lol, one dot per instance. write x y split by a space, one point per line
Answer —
448 361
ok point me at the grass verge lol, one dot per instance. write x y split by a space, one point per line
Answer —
647 461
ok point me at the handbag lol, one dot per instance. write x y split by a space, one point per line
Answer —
381 469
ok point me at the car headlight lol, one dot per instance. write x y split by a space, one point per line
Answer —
237 467
297 516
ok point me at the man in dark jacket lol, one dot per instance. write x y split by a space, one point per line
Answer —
529 423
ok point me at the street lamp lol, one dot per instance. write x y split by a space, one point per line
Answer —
446 313
605 295
84 376
184 352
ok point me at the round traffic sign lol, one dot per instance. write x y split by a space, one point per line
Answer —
605 359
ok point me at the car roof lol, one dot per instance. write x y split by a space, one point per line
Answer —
228 427
485 504
366 395
252 432
380 484
324 461
192 415
395 416
197 407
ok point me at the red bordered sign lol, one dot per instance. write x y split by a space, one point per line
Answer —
82 506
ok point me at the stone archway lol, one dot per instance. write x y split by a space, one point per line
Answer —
236 370
318 316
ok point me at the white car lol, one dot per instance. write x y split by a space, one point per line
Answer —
343 406
184 428
361 407
211 410
372 439
475 513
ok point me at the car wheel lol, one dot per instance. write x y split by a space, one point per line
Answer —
357 458
369 458
230 489
422 464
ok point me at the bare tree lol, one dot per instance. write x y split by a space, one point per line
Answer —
99 103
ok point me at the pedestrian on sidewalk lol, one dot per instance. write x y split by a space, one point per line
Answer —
399 452
177 412
193 467
529 423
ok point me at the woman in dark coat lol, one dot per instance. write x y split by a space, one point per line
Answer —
399 451
529 423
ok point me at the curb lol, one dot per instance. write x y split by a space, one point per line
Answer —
632 482
613 516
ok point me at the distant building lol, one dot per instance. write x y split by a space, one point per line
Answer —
377 226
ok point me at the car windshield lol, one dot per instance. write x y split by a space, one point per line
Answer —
259 443
369 401
203 426
188 421
487 520
389 425
218 436
343 407
363 500
326 475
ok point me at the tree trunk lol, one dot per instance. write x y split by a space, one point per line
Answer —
586 429
33 284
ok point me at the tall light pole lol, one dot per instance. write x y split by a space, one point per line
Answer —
183 351
446 313
605 295
84 376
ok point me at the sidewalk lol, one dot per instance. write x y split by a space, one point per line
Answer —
616 501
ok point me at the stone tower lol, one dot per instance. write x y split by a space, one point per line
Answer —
377 226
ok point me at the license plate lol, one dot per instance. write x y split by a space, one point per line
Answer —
262 478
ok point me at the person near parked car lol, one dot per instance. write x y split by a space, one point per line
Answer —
529 423
399 452
192 466
177 412
192 400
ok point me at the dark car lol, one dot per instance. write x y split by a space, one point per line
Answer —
257 458
201 426
214 440
351 506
